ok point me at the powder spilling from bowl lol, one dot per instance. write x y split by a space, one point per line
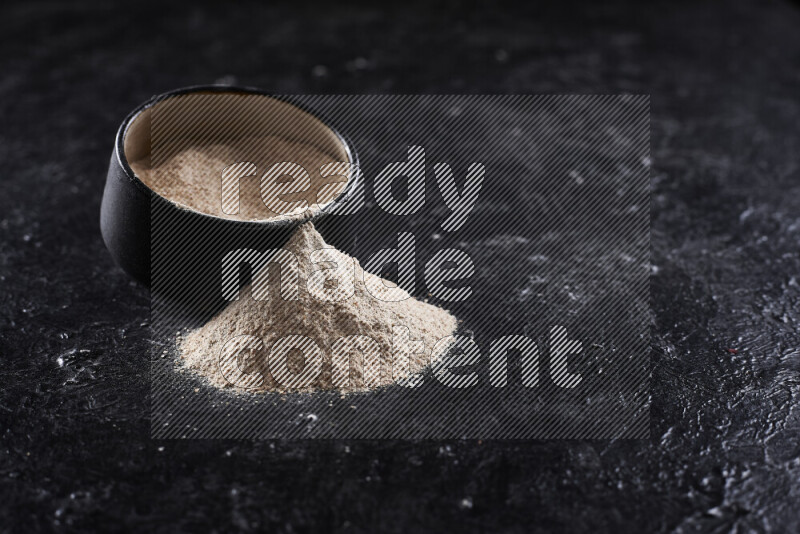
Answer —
356 338
192 177
330 334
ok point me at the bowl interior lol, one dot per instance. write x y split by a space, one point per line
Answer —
184 147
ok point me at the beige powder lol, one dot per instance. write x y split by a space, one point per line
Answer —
322 321
192 178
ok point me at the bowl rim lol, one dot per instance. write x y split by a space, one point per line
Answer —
277 222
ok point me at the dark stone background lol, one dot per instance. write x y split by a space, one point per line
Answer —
724 453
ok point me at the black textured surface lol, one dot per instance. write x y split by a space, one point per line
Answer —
726 228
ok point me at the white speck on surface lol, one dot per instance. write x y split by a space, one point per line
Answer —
228 79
